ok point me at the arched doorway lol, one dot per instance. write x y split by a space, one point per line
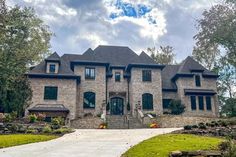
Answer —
117 106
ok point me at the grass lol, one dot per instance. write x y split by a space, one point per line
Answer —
162 145
19 139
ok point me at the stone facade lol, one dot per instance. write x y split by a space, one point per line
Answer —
189 83
98 86
67 93
167 82
138 87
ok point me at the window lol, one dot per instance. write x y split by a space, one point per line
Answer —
193 103
89 73
147 101
52 68
197 80
89 100
166 103
208 102
147 75
201 103
117 76
50 93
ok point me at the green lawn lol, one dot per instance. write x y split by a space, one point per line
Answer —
162 145
19 139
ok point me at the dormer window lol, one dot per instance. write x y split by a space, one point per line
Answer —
198 80
52 68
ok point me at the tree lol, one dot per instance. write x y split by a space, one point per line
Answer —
24 40
229 109
164 55
216 32
176 107
215 46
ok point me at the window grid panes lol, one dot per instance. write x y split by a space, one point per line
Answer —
166 103
89 100
147 101
50 93
52 68
193 102
201 102
117 76
198 80
89 73
147 75
208 102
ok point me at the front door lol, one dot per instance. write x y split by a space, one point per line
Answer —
117 106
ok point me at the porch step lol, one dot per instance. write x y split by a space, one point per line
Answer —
118 122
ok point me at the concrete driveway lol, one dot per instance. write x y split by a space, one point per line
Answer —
86 143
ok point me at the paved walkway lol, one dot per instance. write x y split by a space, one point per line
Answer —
85 143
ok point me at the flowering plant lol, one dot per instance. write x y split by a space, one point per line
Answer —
103 126
154 125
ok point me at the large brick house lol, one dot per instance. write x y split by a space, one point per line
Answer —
113 77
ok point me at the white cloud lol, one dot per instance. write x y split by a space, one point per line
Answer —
81 24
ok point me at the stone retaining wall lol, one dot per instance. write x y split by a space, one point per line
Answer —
86 123
170 121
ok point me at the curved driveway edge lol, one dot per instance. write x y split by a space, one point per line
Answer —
86 143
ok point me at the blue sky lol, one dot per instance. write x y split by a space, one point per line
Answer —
139 24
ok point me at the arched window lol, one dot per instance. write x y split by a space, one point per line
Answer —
89 99
147 101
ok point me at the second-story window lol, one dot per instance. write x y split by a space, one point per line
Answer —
147 75
117 76
198 80
89 73
52 68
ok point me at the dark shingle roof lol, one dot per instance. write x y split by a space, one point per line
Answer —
49 108
190 64
185 67
64 68
167 73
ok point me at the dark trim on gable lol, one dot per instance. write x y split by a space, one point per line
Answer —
196 70
210 76
181 75
53 60
59 76
151 66
117 67
126 75
73 63
168 90
199 92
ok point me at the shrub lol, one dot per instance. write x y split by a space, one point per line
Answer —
57 122
31 131
7 118
13 115
222 123
47 129
228 148
2 117
187 127
41 117
202 126
194 126
176 107
32 118
62 131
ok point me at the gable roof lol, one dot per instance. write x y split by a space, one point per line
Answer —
185 68
63 70
189 64
114 55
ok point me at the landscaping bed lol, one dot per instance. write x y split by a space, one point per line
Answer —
221 128
162 145
19 139
32 124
